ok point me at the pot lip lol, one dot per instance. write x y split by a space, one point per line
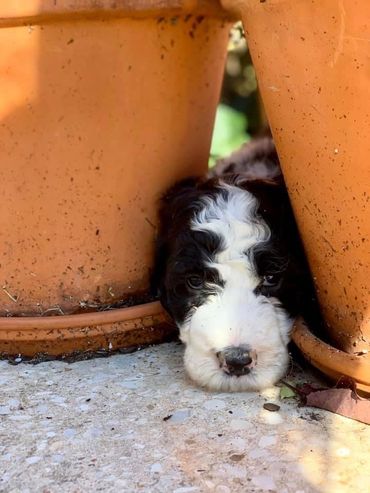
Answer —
152 309
326 357
33 11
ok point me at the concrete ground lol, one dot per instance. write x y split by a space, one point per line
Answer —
134 423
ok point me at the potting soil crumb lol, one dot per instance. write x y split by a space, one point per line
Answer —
134 423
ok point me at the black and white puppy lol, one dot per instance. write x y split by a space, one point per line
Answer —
231 272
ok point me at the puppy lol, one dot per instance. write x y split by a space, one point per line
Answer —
230 270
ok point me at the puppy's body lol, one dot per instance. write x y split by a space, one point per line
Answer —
231 272
254 160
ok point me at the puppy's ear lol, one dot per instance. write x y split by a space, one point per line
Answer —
298 292
275 208
176 202
173 207
272 196
157 280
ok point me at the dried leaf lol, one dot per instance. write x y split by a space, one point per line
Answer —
341 401
307 389
346 383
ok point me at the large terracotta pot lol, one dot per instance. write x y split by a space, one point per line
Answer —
312 60
103 106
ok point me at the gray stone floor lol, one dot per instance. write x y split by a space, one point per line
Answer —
99 425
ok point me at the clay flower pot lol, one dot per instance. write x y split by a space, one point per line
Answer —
103 106
312 64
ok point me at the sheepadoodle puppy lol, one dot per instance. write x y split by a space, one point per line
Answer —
231 272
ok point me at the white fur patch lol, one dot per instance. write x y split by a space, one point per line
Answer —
235 315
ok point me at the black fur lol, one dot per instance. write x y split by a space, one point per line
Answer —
181 254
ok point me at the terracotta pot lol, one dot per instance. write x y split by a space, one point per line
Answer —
331 361
104 105
312 64
55 336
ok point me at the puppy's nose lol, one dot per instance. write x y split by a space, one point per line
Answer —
235 360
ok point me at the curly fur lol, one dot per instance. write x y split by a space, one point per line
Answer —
230 269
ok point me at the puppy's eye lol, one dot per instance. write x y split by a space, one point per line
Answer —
270 280
194 282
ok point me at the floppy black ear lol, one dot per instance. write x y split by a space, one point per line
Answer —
274 204
298 294
174 207
157 284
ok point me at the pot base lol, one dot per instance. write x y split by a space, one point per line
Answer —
62 335
331 361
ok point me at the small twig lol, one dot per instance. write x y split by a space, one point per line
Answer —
150 223
87 304
53 309
13 298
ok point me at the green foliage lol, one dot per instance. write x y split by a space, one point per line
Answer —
286 392
229 132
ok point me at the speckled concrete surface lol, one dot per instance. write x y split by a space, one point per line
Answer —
99 425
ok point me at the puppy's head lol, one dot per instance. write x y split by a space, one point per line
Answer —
226 271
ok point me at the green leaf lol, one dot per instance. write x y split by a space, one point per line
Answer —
286 392
228 133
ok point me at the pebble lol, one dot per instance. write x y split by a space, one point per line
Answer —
221 488
156 468
33 460
264 482
180 416
14 403
129 385
238 444
57 458
257 453
270 406
239 424
267 441
69 433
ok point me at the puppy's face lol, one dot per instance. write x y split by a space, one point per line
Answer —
225 281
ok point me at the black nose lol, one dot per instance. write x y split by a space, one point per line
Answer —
235 360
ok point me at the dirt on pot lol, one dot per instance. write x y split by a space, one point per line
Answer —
80 355
90 306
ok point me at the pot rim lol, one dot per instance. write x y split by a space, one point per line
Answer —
31 12
79 320
328 359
